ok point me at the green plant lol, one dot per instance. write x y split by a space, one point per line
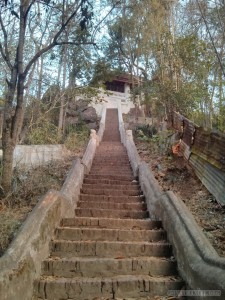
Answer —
77 137
44 133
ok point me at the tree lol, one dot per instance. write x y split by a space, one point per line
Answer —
20 14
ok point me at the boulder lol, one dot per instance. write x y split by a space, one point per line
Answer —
89 115
79 111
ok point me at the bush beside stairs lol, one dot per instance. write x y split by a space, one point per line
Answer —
110 249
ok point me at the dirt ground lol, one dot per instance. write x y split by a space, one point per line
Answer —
28 188
173 173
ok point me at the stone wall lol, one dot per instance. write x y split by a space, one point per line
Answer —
21 263
35 155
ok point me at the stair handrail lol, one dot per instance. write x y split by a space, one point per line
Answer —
121 124
31 245
132 152
198 262
102 124
93 143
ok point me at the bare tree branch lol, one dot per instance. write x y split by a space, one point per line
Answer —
28 9
5 54
96 27
74 43
53 43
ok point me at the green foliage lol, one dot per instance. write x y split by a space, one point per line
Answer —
77 136
2 102
43 133
144 132
103 72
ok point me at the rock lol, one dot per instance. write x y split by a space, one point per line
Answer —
89 115
79 111
81 105
92 125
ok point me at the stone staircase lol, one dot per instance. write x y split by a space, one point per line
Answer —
111 249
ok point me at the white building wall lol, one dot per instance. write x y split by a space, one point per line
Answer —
110 100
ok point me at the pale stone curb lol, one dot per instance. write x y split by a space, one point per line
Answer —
94 141
89 154
21 264
71 187
198 263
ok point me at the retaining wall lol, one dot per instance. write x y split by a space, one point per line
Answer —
21 263
37 155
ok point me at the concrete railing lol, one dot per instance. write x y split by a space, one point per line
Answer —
102 124
132 152
121 124
21 263
90 152
94 141
198 263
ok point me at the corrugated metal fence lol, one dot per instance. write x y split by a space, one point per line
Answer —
205 151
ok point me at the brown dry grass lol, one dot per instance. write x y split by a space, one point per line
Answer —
28 188
173 173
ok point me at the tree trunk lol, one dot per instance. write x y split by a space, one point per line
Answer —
40 77
7 172
13 124
62 101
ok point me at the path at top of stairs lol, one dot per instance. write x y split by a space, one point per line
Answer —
110 249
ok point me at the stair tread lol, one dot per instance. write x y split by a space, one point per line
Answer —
147 221
113 205
110 186
110 210
161 243
114 278
111 229
94 258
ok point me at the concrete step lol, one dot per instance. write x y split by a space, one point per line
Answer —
118 144
112 146
110 166
99 234
116 223
112 137
111 186
110 192
111 157
106 174
111 153
106 267
112 249
111 162
110 182
112 199
109 213
114 206
118 147
109 169
139 298
53 288
111 177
